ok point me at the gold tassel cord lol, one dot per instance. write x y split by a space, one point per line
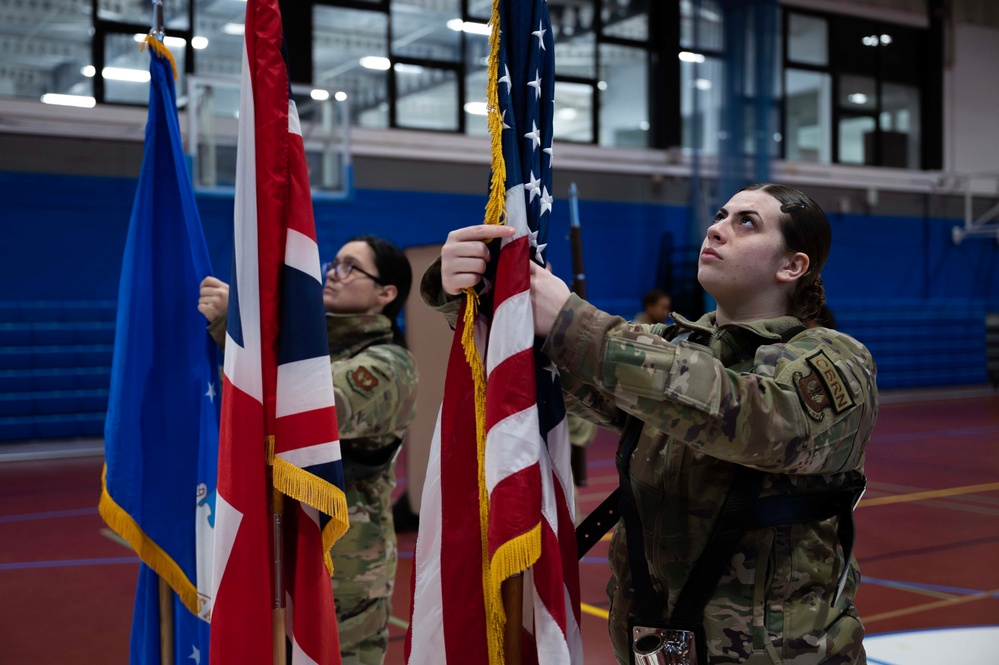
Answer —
157 47
516 555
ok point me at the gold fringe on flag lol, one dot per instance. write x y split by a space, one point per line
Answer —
311 490
157 47
151 554
516 555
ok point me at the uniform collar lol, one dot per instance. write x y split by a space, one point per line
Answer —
347 332
769 329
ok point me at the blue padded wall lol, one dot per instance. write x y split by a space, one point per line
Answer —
896 283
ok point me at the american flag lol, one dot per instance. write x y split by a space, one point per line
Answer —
278 413
464 550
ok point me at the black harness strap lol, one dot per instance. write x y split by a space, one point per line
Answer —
646 598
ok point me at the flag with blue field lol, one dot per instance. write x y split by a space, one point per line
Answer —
161 431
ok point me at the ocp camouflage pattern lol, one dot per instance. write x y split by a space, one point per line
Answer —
713 398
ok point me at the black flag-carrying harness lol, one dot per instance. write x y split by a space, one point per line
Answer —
742 511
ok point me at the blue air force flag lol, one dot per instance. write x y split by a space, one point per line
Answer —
161 431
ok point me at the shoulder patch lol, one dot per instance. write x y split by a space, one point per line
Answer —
813 393
835 385
363 380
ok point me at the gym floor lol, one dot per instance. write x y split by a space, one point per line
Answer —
927 544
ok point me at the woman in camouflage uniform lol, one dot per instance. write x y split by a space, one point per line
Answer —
374 378
743 387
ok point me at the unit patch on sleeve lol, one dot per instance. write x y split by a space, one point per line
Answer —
835 385
362 380
813 393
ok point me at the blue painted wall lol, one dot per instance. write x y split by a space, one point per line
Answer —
896 283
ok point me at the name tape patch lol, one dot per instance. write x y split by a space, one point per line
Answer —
839 395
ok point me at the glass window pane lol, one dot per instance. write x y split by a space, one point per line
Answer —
480 9
900 126
126 69
476 63
902 54
855 42
350 54
700 104
856 140
573 119
627 19
701 24
624 106
427 29
220 24
45 52
807 39
857 92
807 132
575 39
427 98
141 12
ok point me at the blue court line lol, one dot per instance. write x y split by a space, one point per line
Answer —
25 517
874 661
22 565
929 587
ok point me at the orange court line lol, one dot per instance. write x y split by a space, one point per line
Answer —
929 606
930 494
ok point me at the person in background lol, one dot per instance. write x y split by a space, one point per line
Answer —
656 307
743 452
374 379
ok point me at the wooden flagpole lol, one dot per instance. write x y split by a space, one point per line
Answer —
166 622
512 591
278 614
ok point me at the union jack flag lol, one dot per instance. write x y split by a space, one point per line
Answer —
464 552
278 413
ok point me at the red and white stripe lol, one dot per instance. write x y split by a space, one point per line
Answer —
528 484
292 402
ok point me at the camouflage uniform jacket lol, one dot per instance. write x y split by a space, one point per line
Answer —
375 385
800 411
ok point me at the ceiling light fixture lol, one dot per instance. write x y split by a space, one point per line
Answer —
69 100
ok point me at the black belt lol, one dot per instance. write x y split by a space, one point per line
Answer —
360 464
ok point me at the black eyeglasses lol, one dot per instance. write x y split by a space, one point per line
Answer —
342 269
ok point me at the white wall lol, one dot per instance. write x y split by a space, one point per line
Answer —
971 101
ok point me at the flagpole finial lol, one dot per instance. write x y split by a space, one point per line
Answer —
157 28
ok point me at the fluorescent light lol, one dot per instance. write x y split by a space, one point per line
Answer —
375 62
88 71
199 42
69 100
320 95
567 113
234 28
857 98
340 96
687 56
173 42
403 68
125 74
471 28
476 108
702 84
